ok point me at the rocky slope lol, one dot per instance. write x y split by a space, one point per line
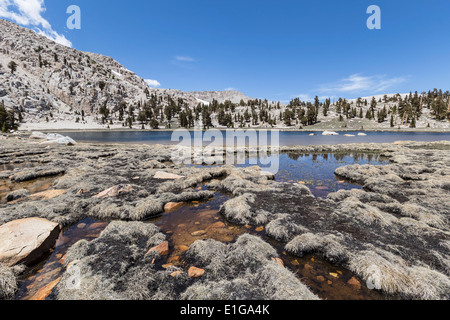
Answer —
56 82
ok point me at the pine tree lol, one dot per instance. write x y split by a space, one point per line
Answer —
12 66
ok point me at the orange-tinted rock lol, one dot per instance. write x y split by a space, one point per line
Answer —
176 273
308 267
63 259
44 292
198 233
320 279
173 206
173 259
218 225
334 275
354 283
98 225
259 229
162 248
195 272
182 248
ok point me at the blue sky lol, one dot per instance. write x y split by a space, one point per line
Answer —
266 49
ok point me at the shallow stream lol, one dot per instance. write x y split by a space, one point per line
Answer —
201 220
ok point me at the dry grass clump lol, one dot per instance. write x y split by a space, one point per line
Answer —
244 270
238 209
111 266
328 246
283 228
365 213
8 283
387 272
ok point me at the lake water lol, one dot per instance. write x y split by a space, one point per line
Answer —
287 138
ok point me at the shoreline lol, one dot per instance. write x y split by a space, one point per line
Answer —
405 130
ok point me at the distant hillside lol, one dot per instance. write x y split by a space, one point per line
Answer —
44 85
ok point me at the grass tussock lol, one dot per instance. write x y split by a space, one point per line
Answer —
329 246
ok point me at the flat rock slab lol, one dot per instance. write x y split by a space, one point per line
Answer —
167 176
26 240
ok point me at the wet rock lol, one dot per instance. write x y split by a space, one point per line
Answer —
195 272
173 206
174 259
198 233
162 248
320 278
308 267
26 240
334 275
182 248
218 225
354 283
45 291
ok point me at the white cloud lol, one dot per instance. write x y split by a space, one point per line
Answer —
152 83
29 13
359 83
184 59
230 89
